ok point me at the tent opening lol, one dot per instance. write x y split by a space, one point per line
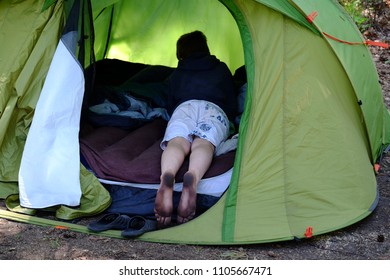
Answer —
134 56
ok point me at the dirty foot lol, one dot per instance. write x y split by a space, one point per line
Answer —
187 205
163 204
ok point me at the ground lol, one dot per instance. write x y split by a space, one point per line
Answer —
369 239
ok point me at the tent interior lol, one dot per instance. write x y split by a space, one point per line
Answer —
134 55
148 33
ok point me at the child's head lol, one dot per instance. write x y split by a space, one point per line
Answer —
190 43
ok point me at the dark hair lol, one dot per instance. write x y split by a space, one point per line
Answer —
190 43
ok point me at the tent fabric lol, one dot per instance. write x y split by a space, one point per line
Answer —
333 20
25 58
23 72
153 41
53 138
287 140
314 120
288 9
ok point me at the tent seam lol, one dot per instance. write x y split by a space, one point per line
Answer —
230 209
284 146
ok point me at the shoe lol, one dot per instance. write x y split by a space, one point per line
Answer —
110 221
138 226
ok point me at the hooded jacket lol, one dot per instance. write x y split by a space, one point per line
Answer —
203 77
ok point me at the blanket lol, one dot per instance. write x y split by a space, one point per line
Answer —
134 156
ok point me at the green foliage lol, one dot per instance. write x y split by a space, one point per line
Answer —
363 12
356 9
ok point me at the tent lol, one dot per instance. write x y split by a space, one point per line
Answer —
313 127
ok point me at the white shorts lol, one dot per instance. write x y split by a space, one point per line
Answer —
197 118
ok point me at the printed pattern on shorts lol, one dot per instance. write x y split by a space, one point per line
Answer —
208 121
210 110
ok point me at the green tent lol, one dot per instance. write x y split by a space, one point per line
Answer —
313 127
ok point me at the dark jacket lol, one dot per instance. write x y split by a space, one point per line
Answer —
203 77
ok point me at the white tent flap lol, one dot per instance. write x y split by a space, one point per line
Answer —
50 167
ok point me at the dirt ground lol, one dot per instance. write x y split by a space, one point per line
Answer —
367 240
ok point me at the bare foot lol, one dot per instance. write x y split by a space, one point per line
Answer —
163 204
187 205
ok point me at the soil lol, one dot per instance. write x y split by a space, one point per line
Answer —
368 239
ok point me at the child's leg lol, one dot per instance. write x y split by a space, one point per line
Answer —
171 160
202 152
